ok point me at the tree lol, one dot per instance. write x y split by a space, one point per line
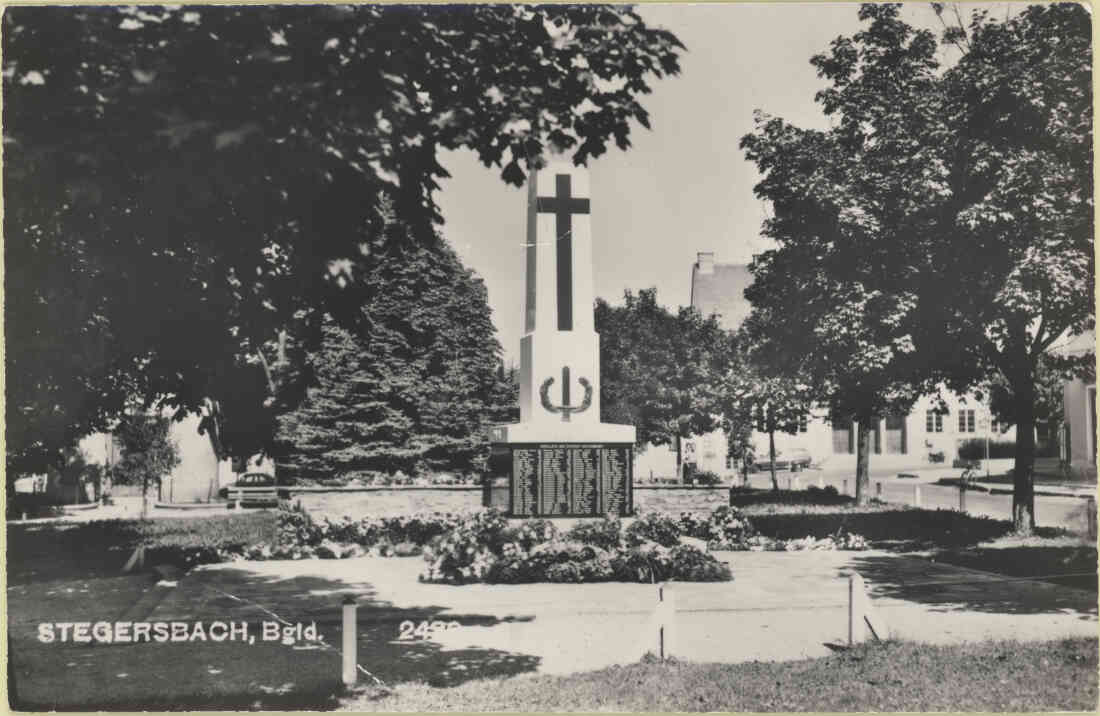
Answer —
412 388
186 185
941 230
1019 197
754 396
146 452
658 370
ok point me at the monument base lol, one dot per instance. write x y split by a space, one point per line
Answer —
562 478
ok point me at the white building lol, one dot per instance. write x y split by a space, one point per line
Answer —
925 436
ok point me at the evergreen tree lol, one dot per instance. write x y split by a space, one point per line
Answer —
409 388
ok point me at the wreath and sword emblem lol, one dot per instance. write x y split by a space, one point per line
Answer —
565 408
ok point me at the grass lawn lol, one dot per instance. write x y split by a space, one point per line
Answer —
1030 557
896 676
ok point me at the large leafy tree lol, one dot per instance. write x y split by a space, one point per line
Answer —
1019 198
659 370
185 184
942 228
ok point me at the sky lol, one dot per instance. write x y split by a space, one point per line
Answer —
684 186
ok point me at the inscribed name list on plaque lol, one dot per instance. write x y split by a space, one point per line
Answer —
559 459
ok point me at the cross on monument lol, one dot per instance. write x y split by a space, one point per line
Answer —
563 206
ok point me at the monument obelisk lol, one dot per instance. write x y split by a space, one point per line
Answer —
560 459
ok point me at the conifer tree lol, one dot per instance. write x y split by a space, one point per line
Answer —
409 388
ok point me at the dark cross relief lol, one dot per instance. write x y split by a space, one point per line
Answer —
565 408
563 205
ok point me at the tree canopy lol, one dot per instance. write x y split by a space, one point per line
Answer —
659 370
941 229
185 184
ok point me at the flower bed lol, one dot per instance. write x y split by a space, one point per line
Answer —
483 547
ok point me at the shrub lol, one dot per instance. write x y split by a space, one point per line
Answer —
526 535
726 525
464 554
296 527
654 527
643 562
691 565
974 449
707 477
605 533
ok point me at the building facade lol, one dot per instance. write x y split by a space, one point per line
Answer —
930 434
1078 434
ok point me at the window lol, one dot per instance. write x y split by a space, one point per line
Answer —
966 421
933 421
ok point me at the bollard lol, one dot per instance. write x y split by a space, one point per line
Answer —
821 482
878 490
916 495
1091 512
666 614
857 629
351 657
962 497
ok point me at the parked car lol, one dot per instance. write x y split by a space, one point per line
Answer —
791 459
255 494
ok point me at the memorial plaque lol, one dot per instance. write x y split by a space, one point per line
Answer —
554 487
614 479
585 474
566 480
525 481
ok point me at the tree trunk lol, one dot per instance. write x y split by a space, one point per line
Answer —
1023 470
144 497
771 457
866 427
679 461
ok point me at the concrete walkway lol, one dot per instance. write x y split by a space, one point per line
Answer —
781 606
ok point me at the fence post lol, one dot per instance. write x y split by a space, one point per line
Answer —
857 629
666 609
916 495
962 497
1091 511
350 656
878 490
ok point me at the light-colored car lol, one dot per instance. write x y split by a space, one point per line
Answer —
789 459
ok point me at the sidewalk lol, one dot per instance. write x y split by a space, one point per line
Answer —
780 606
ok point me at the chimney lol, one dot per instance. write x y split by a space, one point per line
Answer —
705 262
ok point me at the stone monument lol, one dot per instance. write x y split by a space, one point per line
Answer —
560 460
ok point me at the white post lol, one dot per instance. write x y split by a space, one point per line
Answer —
857 630
916 495
795 484
351 657
821 482
666 616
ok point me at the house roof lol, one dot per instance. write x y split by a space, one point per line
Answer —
1069 346
720 288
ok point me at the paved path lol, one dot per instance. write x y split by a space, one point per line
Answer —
781 606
